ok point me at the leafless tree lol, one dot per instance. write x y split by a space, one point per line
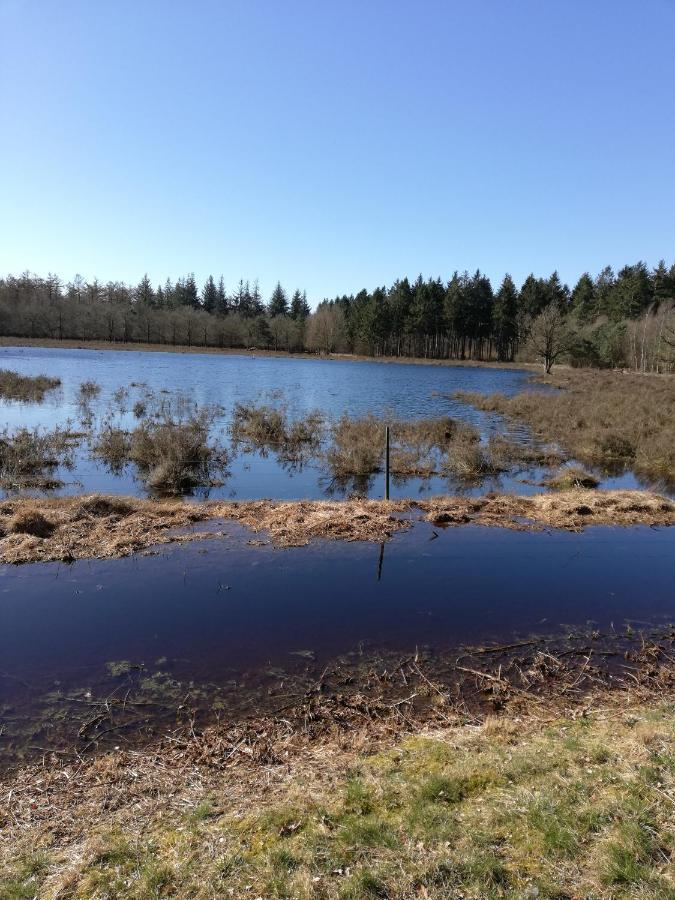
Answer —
550 335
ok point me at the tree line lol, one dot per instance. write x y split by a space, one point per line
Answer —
463 318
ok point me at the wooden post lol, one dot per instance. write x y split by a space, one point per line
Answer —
386 464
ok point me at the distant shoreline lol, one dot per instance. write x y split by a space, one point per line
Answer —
232 351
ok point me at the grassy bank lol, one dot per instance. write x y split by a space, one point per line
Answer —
96 526
609 420
557 804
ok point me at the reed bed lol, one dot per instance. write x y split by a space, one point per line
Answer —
609 420
26 388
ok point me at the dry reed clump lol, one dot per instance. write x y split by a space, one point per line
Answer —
32 522
607 419
419 447
88 390
175 456
28 388
103 527
269 428
113 446
571 477
357 446
28 457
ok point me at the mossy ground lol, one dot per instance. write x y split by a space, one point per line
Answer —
574 807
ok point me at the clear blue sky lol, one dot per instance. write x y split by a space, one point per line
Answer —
335 144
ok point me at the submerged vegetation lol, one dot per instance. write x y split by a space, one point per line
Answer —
28 457
613 421
172 455
28 388
270 428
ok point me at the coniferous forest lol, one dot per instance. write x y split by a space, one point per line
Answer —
624 319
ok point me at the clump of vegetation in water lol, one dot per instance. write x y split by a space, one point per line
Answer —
173 455
422 447
28 457
357 446
269 428
113 446
572 477
30 389
89 390
608 419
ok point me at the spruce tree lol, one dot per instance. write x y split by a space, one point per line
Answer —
210 295
584 298
505 319
278 305
144 293
221 298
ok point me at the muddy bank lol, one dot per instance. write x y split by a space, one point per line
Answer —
233 796
103 527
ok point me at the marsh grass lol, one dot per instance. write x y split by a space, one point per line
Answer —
28 457
606 419
113 446
89 390
570 477
29 389
175 456
516 807
270 428
172 454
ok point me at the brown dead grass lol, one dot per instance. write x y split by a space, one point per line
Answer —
216 805
103 527
608 419
29 389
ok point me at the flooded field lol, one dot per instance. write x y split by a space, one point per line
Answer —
123 387
217 628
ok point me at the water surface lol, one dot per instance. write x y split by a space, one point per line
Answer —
405 390
214 620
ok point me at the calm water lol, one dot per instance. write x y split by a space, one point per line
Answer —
302 385
229 615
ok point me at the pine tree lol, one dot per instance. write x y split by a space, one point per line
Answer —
299 309
505 319
144 293
190 296
257 305
210 295
584 298
221 298
278 305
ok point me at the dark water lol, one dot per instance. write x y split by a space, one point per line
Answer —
302 385
223 613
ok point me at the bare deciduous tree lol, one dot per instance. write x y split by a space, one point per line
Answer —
550 335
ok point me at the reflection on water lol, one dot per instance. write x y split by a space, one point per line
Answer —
302 385
211 621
